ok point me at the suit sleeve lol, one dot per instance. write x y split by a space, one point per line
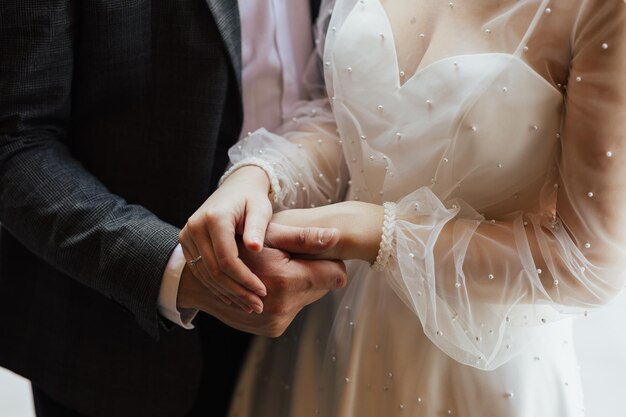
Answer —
48 200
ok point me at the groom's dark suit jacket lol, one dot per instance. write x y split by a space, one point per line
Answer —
115 119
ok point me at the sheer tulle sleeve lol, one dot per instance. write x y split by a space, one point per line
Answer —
480 286
304 157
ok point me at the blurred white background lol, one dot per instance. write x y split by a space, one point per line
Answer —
15 397
600 341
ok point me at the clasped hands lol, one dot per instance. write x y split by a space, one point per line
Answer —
269 264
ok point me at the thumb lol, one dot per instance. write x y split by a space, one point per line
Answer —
301 240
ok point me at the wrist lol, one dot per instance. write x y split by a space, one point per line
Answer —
190 291
250 174
360 226
168 293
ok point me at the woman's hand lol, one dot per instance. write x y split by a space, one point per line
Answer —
359 225
240 206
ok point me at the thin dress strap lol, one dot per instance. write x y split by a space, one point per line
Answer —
542 9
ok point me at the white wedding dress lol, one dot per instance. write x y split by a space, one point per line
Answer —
495 133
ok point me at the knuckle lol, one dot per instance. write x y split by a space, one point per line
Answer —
193 225
308 283
211 217
303 281
227 263
280 285
303 236
341 281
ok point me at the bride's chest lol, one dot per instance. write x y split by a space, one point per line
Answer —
426 31
453 123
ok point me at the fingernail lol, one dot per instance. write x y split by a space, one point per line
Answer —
261 292
326 235
257 308
257 244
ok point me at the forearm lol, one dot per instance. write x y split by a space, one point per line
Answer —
493 256
64 215
359 225
48 199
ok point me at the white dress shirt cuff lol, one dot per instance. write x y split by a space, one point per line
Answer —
169 292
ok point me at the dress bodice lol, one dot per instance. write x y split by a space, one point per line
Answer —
483 127
496 142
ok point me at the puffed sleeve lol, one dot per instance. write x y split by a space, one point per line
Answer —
304 157
482 287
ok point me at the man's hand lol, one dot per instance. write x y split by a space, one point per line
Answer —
291 283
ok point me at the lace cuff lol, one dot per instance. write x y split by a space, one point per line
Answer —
275 189
388 228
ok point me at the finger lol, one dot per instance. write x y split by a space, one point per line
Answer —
228 261
211 272
215 289
238 294
190 252
218 292
303 240
197 240
203 273
258 215
244 297
303 276
318 275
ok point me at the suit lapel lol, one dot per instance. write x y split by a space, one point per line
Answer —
226 15
315 9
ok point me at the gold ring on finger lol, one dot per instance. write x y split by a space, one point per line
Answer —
193 262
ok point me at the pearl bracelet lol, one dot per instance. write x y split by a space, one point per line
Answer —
388 229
